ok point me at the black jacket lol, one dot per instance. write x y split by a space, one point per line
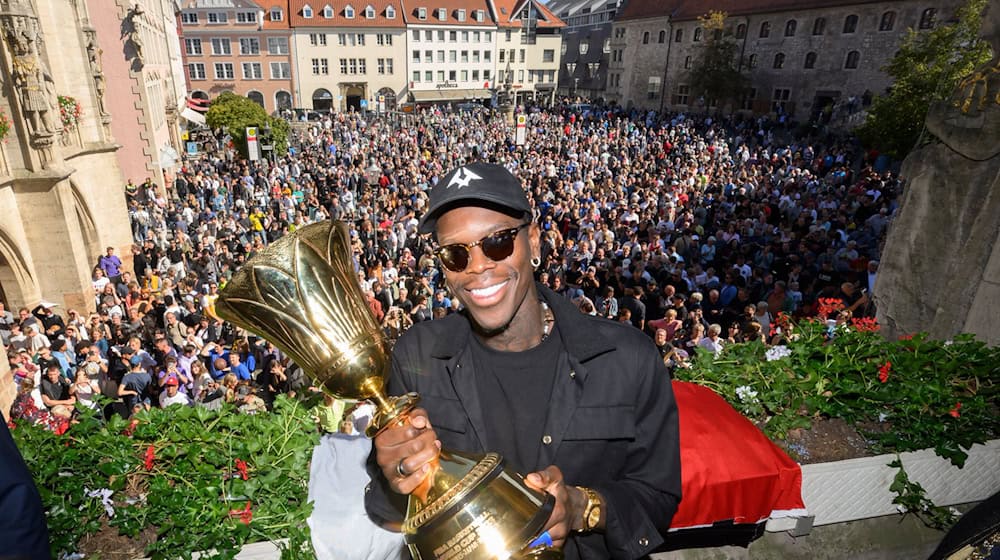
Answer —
612 421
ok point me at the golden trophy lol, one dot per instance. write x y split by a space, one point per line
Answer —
301 293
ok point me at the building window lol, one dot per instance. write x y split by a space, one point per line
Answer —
453 36
277 45
192 46
779 61
196 70
360 37
252 71
429 76
217 17
508 35
453 75
246 17
370 12
317 39
480 16
488 36
348 12
678 35
486 74
452 56
440 75
810 61
328 12
681 95
390 12
416 35
475 75
320 66
362 66
465 56
752 61
416 75
277 14
687 62
307 11
249 46
429 35
819 26
385 66
927 18
503 56
520 55
645 37
661 37
549 55
343 66
416 56
189 18
465 36
790 27
887 22
520 76
852 60
697 35
460 15
741 31
385 39
464 76
851 24
221 47
487 55
422 14
584 47
765 30
746 103
780 99
442 14
280 71
224 71
429 56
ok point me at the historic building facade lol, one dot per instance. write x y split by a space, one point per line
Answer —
586 44
348 55
528 49
799 62
242 46
61 197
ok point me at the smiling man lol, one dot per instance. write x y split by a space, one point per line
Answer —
581 403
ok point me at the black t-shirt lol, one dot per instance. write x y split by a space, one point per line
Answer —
58 391
515 388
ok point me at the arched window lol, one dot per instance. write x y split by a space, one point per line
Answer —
741 31
678 35
752 61
765 30
687 62
697 34
307 11
779 61
819 26
256 96
927 18
645 37
790 27
888 21
662 38
328 12
851 24
283 100
853 58
810 61
322 100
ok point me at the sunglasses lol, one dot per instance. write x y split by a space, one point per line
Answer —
497 246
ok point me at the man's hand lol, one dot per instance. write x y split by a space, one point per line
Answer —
404 451
570 503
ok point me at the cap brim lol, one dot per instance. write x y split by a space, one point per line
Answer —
428 222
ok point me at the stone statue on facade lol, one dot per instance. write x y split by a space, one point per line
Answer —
941 260
32 82
94 58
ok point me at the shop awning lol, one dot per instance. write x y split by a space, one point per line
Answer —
447 94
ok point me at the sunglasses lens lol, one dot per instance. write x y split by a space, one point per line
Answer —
500 245
454 257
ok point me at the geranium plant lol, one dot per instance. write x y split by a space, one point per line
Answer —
5 125
70 111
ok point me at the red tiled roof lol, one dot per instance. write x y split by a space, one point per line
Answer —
686 10
285 15
339 19
410 7
508 10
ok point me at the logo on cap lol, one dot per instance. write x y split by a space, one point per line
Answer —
462 178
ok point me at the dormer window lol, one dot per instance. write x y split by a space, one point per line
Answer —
370 12
442 14
328 12
307 11
479 16
421 13
390 12
349 12
461 15
277 14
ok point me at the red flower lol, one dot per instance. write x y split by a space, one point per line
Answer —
11 425
955 411
241 466
883 372
244 514
864 324
906 337
829 306
131 427
149 456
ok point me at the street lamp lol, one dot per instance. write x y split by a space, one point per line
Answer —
268 144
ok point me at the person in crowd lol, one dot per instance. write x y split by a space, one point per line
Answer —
56 394
514 338
171 394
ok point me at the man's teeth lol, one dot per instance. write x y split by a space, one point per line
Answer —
487 292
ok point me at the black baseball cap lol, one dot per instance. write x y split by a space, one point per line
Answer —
476 184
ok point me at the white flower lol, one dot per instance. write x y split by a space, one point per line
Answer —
746 394
105 495
777 353
901 508
949 342
883 416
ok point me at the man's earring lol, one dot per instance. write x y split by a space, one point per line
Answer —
536 262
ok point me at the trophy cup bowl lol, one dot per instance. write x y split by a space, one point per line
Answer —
301 294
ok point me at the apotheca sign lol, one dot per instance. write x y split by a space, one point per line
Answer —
447 85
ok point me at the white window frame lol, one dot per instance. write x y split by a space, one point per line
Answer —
442 14
390 12
252 66
220 18
281 75
422 14
189 18
246 17
479 16
277 41
224 41
461 15
224 66
196 71
307 11
328 11
192 46
369 12
249 42
276 11
349 11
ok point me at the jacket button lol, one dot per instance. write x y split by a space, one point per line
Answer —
572 374
546 439
643 542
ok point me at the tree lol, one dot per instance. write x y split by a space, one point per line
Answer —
236 113
716 75
927 69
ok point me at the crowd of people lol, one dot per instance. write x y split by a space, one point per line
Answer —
699 231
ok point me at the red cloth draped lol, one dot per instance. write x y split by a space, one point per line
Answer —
729 469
